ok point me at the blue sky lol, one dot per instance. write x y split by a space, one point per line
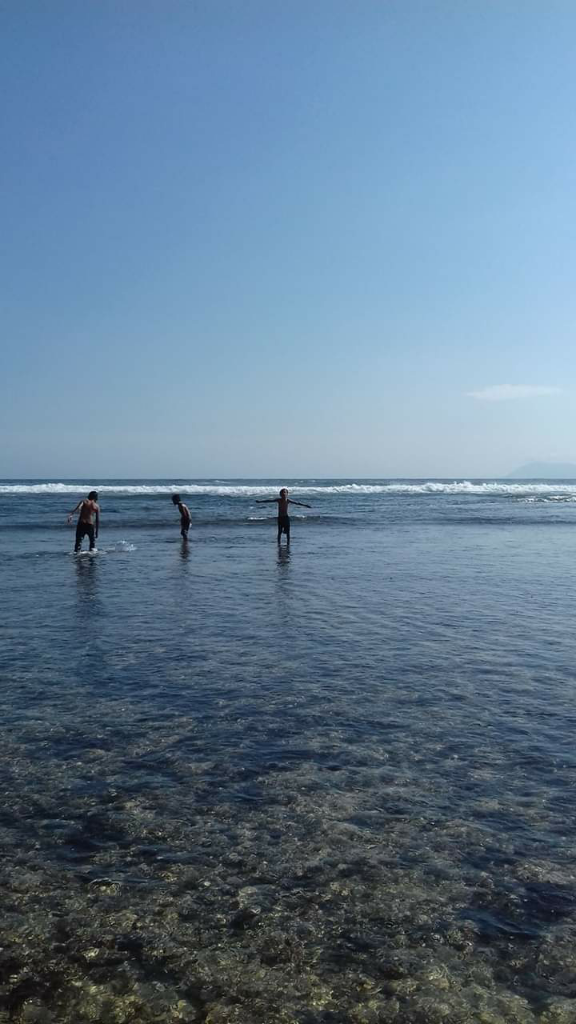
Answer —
253 237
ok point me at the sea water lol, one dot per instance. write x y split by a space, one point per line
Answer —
248 784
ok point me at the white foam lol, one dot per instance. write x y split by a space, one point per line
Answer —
232 490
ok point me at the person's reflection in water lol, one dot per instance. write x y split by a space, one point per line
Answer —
89 603
283 560
284 585
184 549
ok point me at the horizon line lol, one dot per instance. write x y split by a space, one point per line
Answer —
178 479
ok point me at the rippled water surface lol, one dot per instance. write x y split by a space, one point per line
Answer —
327 784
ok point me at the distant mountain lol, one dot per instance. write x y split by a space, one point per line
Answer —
544 471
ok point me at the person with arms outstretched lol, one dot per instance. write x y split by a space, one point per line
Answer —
88 520
283 518
184 515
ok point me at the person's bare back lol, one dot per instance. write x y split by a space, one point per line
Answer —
88 511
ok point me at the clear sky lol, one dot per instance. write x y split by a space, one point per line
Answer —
261 237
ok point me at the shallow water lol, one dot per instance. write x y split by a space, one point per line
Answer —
335 784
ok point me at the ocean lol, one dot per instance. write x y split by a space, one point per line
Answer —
333 784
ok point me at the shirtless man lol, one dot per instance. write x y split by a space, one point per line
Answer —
89 515
184 515
283 518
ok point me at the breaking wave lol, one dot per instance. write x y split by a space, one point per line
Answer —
257 489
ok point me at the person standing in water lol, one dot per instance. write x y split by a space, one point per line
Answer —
283 518
184 515
88 520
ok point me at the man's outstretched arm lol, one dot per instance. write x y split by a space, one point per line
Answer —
301 503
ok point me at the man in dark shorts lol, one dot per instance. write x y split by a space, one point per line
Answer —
283 518
88 520
184 515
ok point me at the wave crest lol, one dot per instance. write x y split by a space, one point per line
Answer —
246 490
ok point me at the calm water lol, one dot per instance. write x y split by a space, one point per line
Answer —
335 784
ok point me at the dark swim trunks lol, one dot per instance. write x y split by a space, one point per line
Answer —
84 530
284 524
184 527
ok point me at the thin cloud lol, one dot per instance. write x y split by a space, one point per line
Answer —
505 392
